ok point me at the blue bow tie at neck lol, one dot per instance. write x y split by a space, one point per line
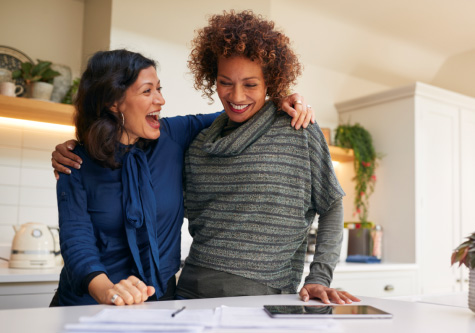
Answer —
140 210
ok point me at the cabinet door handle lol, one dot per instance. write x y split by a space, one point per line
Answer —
389 287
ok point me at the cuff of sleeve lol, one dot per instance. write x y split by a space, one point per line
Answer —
85 282
320 274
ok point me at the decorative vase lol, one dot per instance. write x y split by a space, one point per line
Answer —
471 290
61 83
40 90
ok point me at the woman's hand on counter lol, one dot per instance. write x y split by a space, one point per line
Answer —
326 294
62 157
126 292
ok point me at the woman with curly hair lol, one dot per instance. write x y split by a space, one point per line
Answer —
120 214
253 186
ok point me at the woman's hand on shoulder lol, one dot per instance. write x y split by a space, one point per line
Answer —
326 294
62 157
127 292
301 113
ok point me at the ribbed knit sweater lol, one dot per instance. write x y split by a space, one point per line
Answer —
251 197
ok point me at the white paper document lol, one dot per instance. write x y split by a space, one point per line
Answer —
194 321
137 328
204 317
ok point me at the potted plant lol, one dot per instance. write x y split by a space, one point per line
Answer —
359 139
38 78
70 95
465 254
366 239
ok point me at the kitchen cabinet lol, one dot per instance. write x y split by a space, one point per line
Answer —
374 280
27 288
426 185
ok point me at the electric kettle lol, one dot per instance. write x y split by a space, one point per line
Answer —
35 245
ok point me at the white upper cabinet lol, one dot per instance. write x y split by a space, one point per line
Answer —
425 195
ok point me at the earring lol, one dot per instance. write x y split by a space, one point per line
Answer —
123 118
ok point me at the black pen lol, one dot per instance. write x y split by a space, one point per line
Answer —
178 311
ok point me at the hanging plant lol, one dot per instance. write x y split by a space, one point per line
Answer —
359 139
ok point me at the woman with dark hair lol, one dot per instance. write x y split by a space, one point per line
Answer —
120 214
253 185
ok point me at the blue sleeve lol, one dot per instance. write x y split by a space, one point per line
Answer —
76 231
183 129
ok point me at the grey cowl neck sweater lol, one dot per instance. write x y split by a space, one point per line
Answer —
242 137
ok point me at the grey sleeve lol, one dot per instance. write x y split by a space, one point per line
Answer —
328 246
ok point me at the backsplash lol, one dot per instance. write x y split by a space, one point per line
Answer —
27 183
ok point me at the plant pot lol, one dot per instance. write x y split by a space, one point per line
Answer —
61 83
40 90
471 290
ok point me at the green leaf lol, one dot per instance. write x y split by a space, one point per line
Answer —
16 74
49 75
40 68
26 67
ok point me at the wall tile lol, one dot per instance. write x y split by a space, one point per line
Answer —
8 215
9 175
37 178
9 195
32 158
10 136
10 156
6 235
46 215
38 197
43 140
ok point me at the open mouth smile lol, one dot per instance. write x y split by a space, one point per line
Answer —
153 119
239 108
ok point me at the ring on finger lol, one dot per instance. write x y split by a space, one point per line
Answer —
114 298
298 102
138 282
309 106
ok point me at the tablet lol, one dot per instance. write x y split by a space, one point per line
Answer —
325 311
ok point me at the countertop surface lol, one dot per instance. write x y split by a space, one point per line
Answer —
407 316
12 275
17 275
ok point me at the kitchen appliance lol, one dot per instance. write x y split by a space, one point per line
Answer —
35 245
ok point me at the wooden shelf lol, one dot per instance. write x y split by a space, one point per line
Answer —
36 110
341 154
56 113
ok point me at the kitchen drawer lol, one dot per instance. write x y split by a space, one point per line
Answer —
26 295
377 283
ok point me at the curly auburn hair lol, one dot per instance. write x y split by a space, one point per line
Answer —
249 35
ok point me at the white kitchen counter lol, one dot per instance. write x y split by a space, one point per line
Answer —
383 266
27 288
408 317
16 275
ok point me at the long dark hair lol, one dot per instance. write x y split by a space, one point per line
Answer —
104 83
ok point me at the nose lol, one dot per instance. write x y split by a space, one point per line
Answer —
158 98
237 94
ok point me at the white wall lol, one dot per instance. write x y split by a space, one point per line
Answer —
47 29
27 183
163 31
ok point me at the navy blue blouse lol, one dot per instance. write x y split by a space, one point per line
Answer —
126 221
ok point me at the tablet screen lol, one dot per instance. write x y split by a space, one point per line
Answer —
319 311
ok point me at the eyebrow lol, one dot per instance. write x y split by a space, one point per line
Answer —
148 83
246 78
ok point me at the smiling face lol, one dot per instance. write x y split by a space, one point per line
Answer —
241 88
141 108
